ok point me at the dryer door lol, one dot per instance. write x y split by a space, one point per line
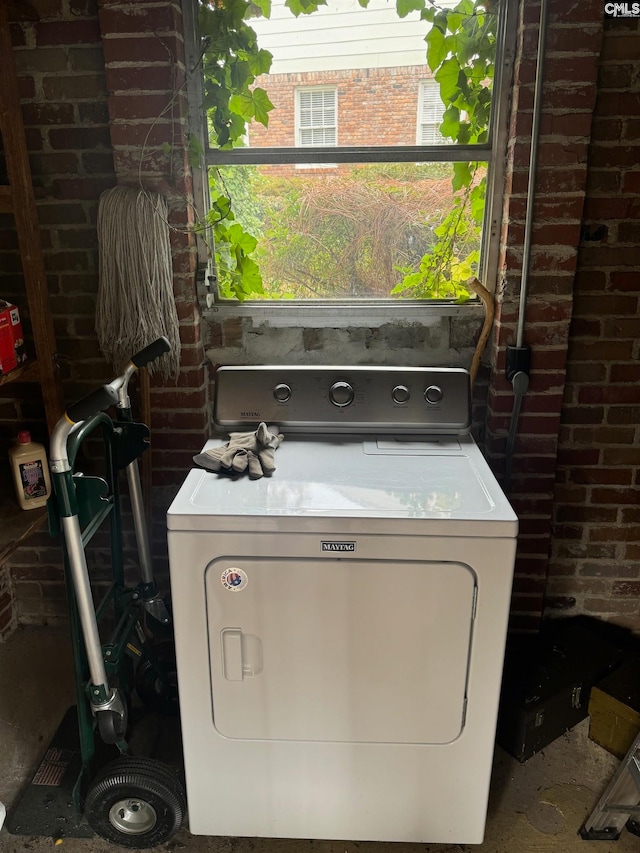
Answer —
339 650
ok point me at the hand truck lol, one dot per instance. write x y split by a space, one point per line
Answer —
131 800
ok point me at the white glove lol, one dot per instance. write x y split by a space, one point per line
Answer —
244 450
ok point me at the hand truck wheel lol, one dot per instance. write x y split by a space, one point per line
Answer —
136 802
112 726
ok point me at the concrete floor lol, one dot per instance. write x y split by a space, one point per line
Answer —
534 807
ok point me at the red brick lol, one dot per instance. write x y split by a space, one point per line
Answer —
619 46
620 456
627 588
79 138
603 181
602 434
631 182
133 134
144 47
620 103
160 18
66 32
81 188
625 373
586 514
581 328
609 395
609 130
602 351
46 114
625 281
579 456
127 107
578 38
623 415
155 78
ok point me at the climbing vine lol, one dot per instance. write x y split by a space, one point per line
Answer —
460 52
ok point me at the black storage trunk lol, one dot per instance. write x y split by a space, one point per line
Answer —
547 682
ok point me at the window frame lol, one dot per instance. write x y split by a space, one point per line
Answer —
374 312
300 90
423 85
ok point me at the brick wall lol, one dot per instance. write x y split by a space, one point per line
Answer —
595 564
573 42
98 84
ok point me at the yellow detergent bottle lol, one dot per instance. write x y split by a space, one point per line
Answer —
30 472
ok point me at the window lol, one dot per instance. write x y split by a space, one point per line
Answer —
409 209
430 113
316 117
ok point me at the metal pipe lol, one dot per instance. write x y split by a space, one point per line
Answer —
84 600
139 522
533 160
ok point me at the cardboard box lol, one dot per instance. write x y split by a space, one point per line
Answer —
12 351
614 708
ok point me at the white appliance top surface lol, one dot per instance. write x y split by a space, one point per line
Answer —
444 479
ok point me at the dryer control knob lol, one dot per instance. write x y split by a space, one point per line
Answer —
341 394
400 394
433 394
282 393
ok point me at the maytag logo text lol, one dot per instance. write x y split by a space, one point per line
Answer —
339 546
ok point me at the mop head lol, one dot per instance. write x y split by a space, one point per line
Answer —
135 304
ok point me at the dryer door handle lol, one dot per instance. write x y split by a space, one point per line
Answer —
241 654
232 653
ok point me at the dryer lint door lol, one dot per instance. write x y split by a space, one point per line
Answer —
339 650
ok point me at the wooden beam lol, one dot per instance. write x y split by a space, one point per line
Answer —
26 218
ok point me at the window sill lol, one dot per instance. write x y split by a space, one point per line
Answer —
340 315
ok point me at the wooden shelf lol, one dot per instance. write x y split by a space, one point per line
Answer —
29 372
17 198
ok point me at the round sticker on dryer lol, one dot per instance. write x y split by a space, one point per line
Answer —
234 579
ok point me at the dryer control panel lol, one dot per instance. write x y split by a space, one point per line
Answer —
411 400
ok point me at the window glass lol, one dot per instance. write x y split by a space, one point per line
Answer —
360 170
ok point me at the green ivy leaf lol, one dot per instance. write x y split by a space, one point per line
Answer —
436 48
448 76
404 7
262 106
260 62
450 122
304 7
264 6
252 104
221 206
239 237
461 176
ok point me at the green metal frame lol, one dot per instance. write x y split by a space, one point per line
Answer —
95 499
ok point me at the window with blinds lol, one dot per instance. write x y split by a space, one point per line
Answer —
430 112
316 117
